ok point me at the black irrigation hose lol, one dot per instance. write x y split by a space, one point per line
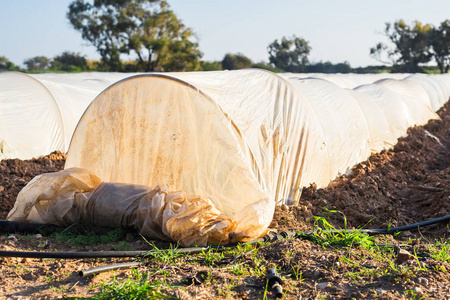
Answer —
73 255
268 238
407 227
10 226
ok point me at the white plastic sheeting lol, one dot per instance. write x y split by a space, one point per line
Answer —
31 123
342 121
74 93
240 141
348 81
39 112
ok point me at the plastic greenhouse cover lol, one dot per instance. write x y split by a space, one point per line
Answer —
31 123
209 155
39 112
74 93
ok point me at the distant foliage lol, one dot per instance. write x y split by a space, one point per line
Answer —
211 65
328 67
290 54
147 29
414 45
37 63
266 66
236 62
440 44
7 65
69 62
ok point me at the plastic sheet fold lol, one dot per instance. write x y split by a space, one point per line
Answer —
78 196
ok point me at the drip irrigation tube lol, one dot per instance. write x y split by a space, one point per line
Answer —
10 226
268 238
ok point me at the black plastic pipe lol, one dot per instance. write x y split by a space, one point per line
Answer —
10 227
73 255
270 237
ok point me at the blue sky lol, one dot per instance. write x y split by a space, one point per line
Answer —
337 30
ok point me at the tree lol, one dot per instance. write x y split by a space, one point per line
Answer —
69 62
290 55
266 66
7 65
411 46
146 28
236 61
37 63
211 65
440 43
328 67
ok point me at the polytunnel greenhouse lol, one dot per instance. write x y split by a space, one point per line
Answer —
157 151
39 112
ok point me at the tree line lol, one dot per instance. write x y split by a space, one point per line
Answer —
151 36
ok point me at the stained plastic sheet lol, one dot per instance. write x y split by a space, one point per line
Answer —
74 92
78 196
159 130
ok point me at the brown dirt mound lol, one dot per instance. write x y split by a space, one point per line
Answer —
16 173
405 185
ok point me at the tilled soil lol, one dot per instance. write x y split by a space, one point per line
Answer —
16 173
405 185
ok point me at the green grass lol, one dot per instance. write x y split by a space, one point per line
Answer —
166 256
440 251
137 286
89 238
327 235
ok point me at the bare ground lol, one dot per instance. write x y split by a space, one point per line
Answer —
405 185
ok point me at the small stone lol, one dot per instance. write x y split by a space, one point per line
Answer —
403 256
38 236
418 291
2 188
317 273
28 276
12 237
379 290
25 260
284 207
322 285
423 281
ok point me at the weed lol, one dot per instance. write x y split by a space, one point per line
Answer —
90 238
414 295
211 257
327 235
166 256
20 268
297 272
440 251
50 278
227 291
135 287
